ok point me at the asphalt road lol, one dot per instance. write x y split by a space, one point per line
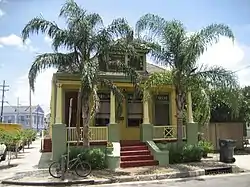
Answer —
228 180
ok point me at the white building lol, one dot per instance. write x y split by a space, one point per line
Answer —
21 115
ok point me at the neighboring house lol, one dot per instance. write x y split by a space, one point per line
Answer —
142 123
21 115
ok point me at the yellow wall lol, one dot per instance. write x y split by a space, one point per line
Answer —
127 133
10 126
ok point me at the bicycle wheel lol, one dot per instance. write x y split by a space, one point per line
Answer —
83 169
55 170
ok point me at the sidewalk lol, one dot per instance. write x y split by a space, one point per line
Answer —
26 161
243 161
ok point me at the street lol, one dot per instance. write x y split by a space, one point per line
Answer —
228 180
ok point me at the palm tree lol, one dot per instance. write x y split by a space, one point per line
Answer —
87 43
179 50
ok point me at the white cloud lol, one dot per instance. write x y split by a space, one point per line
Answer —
42 92
16 41
47 40
232 56
1 12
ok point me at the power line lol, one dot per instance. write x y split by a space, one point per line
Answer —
248 66
4 88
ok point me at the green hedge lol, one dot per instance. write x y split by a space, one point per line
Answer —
182 153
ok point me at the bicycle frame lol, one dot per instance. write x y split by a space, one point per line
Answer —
73 163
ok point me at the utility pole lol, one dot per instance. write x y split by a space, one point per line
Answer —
4 88
37 122
30 108
17 110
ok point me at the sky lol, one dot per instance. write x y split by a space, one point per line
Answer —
16 57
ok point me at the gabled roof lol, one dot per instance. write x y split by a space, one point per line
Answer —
22 109
152 68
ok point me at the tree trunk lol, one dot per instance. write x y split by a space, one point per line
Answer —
86 119
78 116
180 102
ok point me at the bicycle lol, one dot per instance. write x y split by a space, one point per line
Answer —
74 164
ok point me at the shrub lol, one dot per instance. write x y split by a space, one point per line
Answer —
175 153
95 156
183 153
191 153
207 147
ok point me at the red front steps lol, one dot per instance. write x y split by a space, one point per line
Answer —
136 154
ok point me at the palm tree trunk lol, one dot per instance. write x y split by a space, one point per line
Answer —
78 115
86 119
180 98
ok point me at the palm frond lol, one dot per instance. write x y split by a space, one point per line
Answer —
72 12
150 25
120 28
196 44
48 60
217 77
65 39
40 24
211 34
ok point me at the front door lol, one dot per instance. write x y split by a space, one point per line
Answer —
132 118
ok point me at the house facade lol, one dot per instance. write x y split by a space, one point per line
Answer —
143 122
21 115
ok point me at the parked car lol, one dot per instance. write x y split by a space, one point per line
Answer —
3 152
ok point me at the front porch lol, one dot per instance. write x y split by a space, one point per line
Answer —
144 121
159 111
100 134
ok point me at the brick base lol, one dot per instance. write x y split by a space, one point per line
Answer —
47 145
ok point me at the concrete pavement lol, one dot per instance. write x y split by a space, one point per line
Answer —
243 161
26 161
229 180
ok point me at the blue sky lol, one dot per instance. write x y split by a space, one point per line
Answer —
16 58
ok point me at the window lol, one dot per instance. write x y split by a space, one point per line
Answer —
135 111
114 61
22 118
162 110
136 62
9 119
103 114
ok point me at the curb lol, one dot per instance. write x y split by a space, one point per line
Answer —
172 175
121 179
48 183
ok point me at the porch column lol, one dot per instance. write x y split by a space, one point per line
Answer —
113 128
192 128
112 108
146 129
145 110
189 109
58 103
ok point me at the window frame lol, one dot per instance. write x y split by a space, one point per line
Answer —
140 57
107 100
137 100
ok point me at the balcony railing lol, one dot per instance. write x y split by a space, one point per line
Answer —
96 134
167 132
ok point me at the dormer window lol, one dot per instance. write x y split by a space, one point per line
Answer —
136 62
114 62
